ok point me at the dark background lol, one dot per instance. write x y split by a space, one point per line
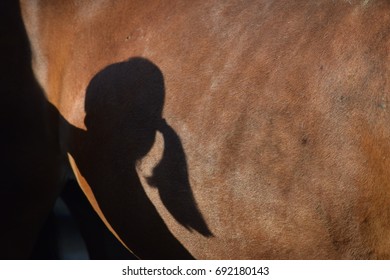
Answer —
72 230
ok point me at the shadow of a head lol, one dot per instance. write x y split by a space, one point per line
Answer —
124 104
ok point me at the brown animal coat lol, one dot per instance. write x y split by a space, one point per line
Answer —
224 129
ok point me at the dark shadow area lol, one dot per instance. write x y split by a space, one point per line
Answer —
100 242
124 104
73 230
46 247
30 156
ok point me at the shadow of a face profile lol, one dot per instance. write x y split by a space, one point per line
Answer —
123 105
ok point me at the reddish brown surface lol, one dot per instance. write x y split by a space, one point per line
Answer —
224 129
